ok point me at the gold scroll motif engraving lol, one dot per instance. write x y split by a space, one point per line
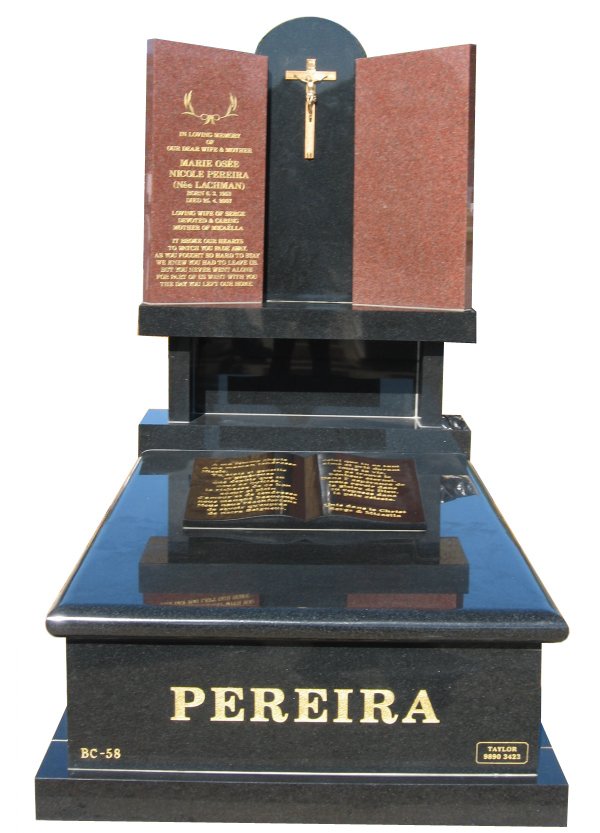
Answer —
209 118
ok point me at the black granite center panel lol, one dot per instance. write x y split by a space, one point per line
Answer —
310 201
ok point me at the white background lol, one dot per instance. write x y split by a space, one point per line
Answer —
78 379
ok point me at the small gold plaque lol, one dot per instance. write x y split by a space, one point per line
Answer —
502 752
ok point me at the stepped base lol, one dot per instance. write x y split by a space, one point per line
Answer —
539 801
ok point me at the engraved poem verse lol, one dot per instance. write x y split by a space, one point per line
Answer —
208 247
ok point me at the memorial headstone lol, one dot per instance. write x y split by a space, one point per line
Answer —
303 605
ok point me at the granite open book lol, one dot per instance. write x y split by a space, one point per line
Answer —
319 489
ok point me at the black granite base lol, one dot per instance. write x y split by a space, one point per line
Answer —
305 320
198 708
296 433
539 801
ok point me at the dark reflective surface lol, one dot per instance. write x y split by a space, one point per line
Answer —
465 561
55 766
309 202
305 376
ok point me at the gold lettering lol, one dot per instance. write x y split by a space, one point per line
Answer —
421 705
358 487
312 706
180 702
309 701
268 698
224 704
251 486
195 163
378 700
342 705
228 175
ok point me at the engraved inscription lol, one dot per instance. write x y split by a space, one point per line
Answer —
93 753
360 487
239 487
301 489
208 247
202 600
304 705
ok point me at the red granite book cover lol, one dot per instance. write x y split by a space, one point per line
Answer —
205 175
413 179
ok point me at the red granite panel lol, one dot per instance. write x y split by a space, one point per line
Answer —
402 601
205 175
414 179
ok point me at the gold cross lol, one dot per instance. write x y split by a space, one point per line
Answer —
310 77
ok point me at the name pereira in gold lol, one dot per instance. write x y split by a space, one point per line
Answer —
306 705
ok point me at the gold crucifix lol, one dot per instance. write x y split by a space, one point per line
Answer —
310 76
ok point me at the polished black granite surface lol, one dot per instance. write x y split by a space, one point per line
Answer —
504 602
298 433
163 707
540 800
312 377
306 320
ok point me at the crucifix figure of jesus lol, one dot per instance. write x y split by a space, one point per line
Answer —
310 76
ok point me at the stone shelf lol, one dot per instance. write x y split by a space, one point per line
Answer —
308 321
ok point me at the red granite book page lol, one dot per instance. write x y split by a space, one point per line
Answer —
205 175
414 179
